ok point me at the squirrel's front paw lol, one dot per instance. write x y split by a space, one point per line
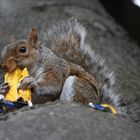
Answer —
27 83
4 88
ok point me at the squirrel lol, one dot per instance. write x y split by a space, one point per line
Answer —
61 66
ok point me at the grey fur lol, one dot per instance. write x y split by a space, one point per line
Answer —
93 63
67 92
64 43
38 70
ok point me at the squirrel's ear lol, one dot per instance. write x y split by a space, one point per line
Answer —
12 38
33 37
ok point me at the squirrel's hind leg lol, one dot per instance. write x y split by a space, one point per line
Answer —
77 89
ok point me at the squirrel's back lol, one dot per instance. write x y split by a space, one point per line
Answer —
67 39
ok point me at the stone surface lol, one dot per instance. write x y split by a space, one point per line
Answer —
63 121
71 121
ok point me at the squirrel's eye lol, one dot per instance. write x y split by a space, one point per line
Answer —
22 49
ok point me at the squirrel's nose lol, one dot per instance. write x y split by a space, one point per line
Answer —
3 66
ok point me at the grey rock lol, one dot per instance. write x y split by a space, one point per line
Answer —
108 39
69 121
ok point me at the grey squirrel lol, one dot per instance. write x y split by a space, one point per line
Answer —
62 65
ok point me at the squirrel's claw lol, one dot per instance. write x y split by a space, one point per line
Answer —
27 83
4 88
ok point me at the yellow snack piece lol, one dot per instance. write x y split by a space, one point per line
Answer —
111 108
13 79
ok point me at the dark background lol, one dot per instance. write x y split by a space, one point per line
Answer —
127 14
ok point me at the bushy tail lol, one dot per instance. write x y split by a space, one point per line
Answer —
67 39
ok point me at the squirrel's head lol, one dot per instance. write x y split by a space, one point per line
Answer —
20 53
